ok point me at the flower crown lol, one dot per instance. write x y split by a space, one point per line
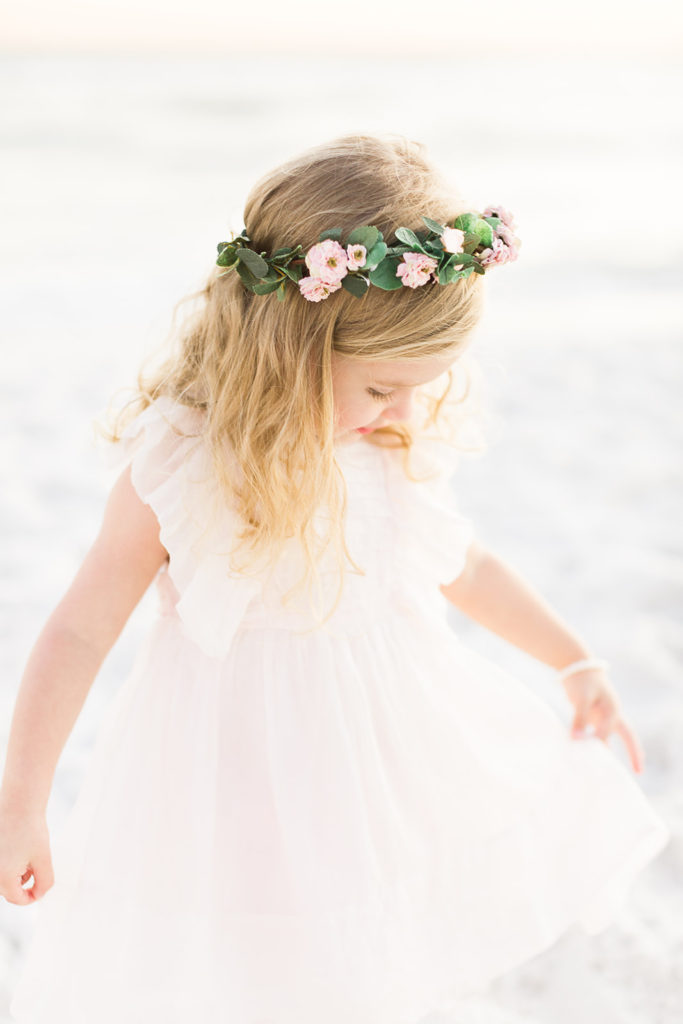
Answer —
442 254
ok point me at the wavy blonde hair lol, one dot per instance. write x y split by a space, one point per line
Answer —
261 369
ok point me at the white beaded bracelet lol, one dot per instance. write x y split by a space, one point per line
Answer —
576 666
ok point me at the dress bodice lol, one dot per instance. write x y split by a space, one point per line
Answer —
407 537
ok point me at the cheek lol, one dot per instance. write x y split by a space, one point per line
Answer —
356 410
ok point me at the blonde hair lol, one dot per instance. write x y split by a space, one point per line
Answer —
260 368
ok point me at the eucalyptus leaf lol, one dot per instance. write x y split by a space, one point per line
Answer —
356 284
376 254
471 242
333 233
434 248
245 273
264 287
477 268
256 264
384 275
366 235
281 292
434 225
294 271
289 250
409 237
227 258
457 271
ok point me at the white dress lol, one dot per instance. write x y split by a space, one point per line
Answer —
354 825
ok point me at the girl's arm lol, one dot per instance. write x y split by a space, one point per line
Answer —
495 595
73 643
490 591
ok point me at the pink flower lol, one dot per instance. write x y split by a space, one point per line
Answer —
313 289
512 242
415 269
356 255
453 240
327 261
500 253
500 211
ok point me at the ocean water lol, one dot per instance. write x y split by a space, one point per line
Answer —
120 174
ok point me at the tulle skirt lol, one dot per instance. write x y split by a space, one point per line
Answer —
349 829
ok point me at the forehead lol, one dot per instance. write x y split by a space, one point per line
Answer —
394 372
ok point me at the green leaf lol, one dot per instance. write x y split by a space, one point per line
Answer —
459 271
485 233
295 271
253 261
466 222
409 237
245 273
366 235
333 233
356 284
290 250
434 225
375 255
471 242
477 268
493 221
384 275
264 287
281 292
227 257
448 261
434 248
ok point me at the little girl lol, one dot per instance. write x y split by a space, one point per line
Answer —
309 801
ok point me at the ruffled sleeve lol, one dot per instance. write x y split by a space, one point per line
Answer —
171 471
433 536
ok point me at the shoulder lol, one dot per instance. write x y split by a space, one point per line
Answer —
156 441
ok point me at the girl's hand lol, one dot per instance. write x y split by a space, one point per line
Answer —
596 703
24 851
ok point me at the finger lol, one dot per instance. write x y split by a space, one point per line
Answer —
580 721
632 744
606 723
41 868
18 894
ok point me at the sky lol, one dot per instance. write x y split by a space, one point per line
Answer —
632 29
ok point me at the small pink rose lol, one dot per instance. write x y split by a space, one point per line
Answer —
502 213
313 289
356 255
453 240
327 260
500 253
415 269
512 242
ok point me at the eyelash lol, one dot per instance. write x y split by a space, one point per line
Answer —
379 395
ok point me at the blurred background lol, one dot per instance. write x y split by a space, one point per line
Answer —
131 134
